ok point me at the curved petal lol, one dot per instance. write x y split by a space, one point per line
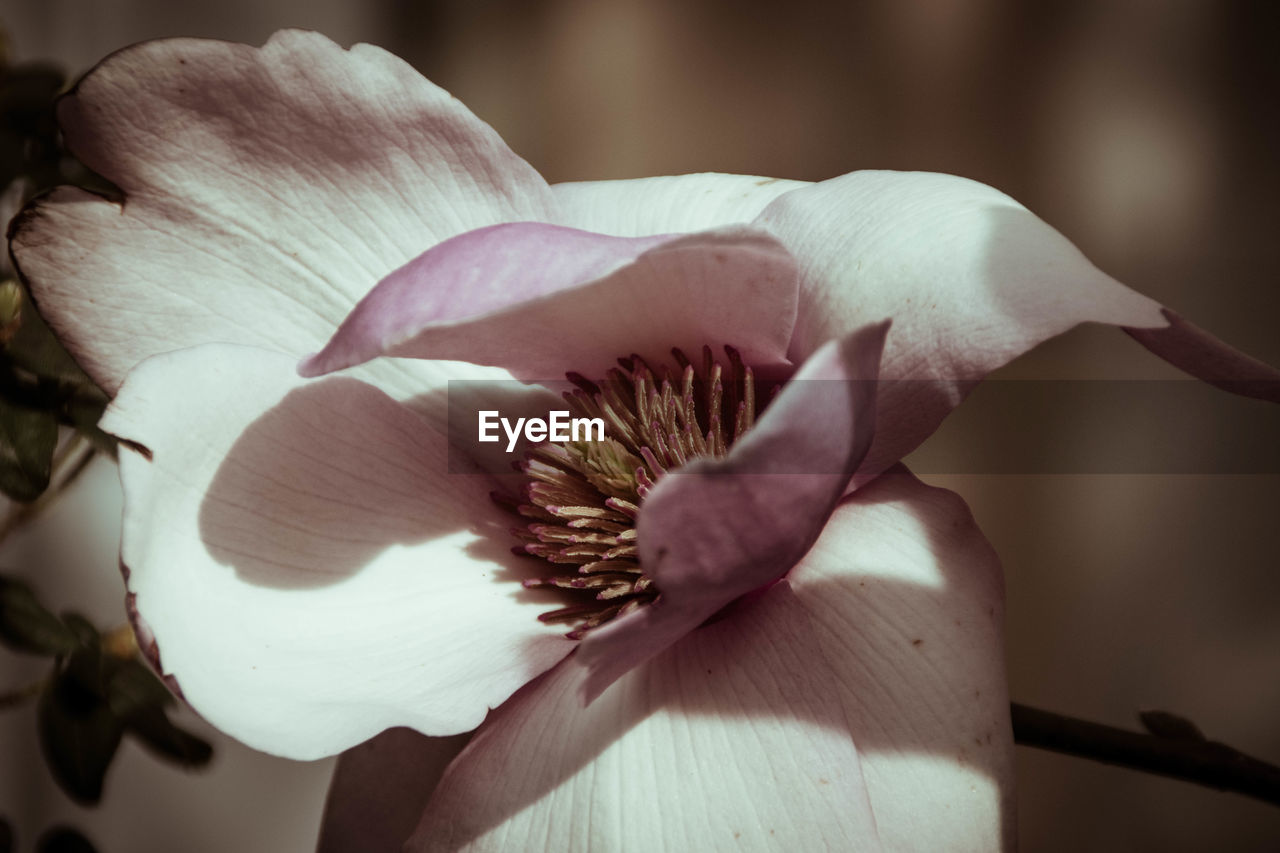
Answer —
541 300
308 568
907 602
266 190
970 277
1192 349
730 740
668 204
380 789
716 529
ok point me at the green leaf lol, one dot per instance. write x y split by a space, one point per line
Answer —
27 441
95 696
79 736
26 626
156 731
63 839
35 349
88 667
134 688
139 698
36 372
86 633
10 308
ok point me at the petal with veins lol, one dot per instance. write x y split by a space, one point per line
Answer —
668 204
901 619
970 277
716 529
266 190
1190 348
907 603
541 300
308 567
730 740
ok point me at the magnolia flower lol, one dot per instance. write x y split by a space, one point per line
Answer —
303 567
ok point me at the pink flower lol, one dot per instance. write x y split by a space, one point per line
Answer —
308 572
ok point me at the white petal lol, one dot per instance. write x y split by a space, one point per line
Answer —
666 205
730 740
309 568
907 600
266 190
539 300
971 279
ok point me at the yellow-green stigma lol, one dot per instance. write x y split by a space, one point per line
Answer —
582 497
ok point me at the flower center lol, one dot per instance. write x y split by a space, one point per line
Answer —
582 497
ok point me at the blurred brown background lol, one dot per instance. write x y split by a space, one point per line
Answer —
1146 130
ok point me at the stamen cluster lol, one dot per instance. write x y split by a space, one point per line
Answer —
582 497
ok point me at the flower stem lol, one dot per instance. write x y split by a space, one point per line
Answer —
1182 754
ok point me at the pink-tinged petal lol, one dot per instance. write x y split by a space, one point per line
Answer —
1190 348
716 529
730 740
266 191
970 277
907 603
380 789
308 568
541 300
668 204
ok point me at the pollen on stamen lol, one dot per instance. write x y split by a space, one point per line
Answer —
581 499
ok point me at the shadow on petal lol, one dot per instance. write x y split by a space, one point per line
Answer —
703 726
970 278
379 788
327 479
903 663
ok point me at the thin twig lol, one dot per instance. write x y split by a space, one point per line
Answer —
1189 758
78 466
